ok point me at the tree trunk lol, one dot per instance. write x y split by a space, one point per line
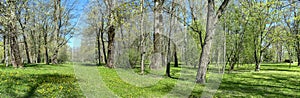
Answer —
15 57
26 49
38 58
156 59
6 49
57 21
25 39
257 66
142 38
205 54
103 47
98 46
110 46
46 48
175 57
54 58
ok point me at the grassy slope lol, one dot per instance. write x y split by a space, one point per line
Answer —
39 81
274 80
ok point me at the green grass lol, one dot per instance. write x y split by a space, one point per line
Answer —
39 81
274 80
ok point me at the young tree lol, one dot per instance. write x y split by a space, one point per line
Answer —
212 19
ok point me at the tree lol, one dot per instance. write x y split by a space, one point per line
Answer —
292 20
11 27
156 60
212 19
142 37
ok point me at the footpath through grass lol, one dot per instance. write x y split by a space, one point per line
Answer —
39 80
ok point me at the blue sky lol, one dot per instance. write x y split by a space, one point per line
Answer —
80 9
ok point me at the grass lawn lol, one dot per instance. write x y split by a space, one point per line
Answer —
39 81
274 80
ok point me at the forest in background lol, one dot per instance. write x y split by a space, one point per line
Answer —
37 31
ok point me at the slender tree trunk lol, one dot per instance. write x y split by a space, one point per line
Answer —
168 69
212 19
25 39
142 38
38 58
103 47
26 49
210 30
298 52
98 46
6 49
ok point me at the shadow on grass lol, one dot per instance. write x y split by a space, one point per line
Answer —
26 86
262 84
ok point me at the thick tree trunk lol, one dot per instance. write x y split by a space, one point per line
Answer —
258 60
46 48
110 46
15 57
175 57
57 21
54 58
257 66
156 59
205 54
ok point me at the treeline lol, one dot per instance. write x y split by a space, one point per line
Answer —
36 31
155 33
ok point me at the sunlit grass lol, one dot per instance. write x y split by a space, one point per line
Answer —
39 80
273 80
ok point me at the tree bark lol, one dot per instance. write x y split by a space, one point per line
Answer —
25 41
57 21
156 59
98 46
6 49
15 57
103 47
142 38
210 30
175 57
212 19
110 46
46 46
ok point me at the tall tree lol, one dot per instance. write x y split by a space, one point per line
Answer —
23 25
111 33
142 37
13 33
156 60
212 19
